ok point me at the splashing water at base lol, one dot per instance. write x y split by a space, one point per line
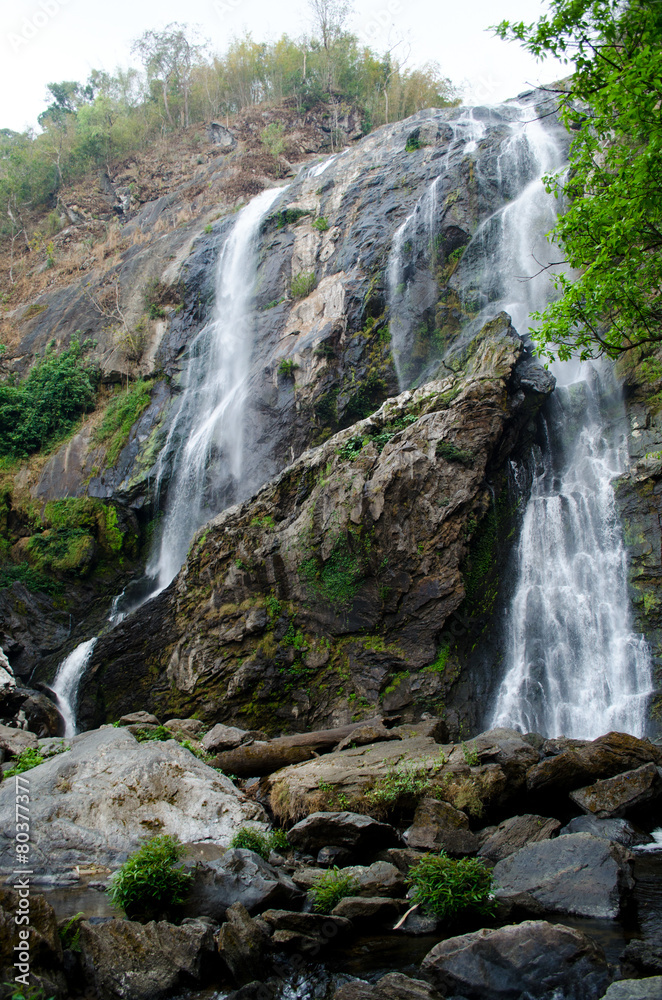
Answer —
67 680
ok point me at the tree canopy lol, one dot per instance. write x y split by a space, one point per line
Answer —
611 230
93 124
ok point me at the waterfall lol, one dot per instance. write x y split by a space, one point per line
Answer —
206 433
204 446
574 666
67 679
414 241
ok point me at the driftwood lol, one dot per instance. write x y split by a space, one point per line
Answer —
254 760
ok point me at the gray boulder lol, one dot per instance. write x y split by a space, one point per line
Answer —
394 986
242 942
621 831
125 960
139 719
635 989
97 802
439 826
535 959
515 833
362 834
368 909
221 738
642 958
622 794
240 876
577 874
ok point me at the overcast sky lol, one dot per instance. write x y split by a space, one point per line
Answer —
51 40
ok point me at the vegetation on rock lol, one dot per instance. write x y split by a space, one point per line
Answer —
328 889
260 843
46 404
447 886
149 882
611 230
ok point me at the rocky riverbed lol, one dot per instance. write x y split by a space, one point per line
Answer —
565 826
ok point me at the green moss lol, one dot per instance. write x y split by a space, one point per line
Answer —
120 416
303 284
321 224
440 662
77 530
338 578
287 217
451 453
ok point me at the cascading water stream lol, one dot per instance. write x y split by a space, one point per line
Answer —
414 238
573 664
209 419
67 679
204 446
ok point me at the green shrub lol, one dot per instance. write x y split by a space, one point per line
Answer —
328 889
449 451
160 734
303 284
70 932
263 844
30 758
287 367
120 416
413 143
321 224
444 886
470 754
45 405
273 138
31 578
148 883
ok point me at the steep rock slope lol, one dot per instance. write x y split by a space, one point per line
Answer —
324 595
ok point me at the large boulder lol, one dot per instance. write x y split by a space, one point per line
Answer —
99 800
125 960
515 833
394 986
603 758
44 952
439 826
240 876
621 831
14 741
635 989
536 959
621 795
361 834
242 942
576 874
296 791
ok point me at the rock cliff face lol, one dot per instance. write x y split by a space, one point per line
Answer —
325 594
370 569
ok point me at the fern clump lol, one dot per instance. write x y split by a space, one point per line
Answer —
149 883
327 890
446 886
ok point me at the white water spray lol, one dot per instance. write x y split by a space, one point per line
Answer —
207 426
207 430
574 665
67 679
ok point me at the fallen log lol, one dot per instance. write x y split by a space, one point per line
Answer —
255 760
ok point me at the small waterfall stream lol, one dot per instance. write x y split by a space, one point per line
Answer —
204 446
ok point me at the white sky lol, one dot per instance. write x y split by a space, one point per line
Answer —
51 40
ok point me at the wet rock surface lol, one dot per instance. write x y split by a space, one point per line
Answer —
534 958
240 876
125 960
575 874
